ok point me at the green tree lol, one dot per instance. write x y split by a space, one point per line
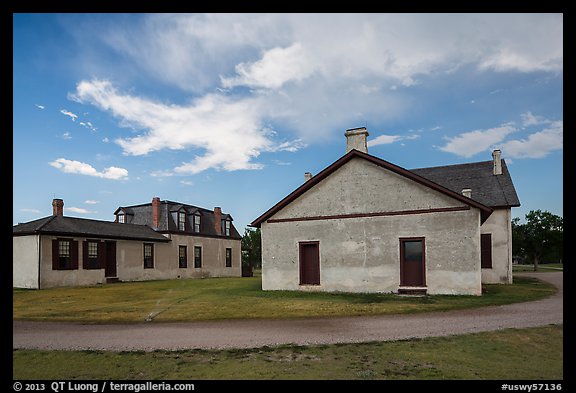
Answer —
252 248
540 237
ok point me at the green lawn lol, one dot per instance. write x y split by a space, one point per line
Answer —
231 298
549 267
510 354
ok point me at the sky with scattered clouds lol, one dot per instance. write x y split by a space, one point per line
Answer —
230 110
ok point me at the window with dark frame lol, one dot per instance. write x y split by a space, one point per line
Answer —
121 218
182 221
64 258
228 257
64 254
197 257
182 257
197 223
226 227
92 254
148 255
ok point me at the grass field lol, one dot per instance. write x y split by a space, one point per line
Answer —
549 267
511 354
232 298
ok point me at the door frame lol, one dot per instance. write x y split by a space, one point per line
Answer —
423 264
300 259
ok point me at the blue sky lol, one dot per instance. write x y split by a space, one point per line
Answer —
230 110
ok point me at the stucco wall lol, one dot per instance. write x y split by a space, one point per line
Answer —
360 186
363 254
500 226
130 263
131 266
25 261
63 278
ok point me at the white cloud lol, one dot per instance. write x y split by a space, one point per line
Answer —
470 143
310 73
528 119
106 140
81 168
436 128
267 50
161 173
187 182
276 67
388 139
39 106
80 210
68 113
538 144
66 135
91 202
27 210
229 132
384 140
88 125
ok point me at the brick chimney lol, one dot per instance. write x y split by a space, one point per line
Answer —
467 192
218 220
57 207
497 162
307 176
356 139
155 212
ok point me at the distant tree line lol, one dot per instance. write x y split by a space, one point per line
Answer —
540 239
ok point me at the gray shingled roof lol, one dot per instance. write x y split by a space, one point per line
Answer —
487 188
72 226
142 214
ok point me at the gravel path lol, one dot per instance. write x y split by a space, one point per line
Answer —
257 333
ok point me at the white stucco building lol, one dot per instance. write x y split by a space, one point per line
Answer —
366 225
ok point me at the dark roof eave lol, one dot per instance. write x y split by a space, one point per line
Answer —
486 211
196 234
505 206
91 235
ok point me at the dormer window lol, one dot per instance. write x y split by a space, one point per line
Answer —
182 221
226 227
196 222
121 218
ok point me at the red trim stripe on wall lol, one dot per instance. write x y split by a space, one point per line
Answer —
375 214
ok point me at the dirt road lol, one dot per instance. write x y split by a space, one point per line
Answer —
257 333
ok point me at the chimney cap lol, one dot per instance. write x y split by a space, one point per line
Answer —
356 130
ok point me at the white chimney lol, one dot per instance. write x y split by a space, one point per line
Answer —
307 176
497 162
467 192
356 139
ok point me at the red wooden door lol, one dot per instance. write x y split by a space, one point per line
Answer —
412 265
309 263
110 267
